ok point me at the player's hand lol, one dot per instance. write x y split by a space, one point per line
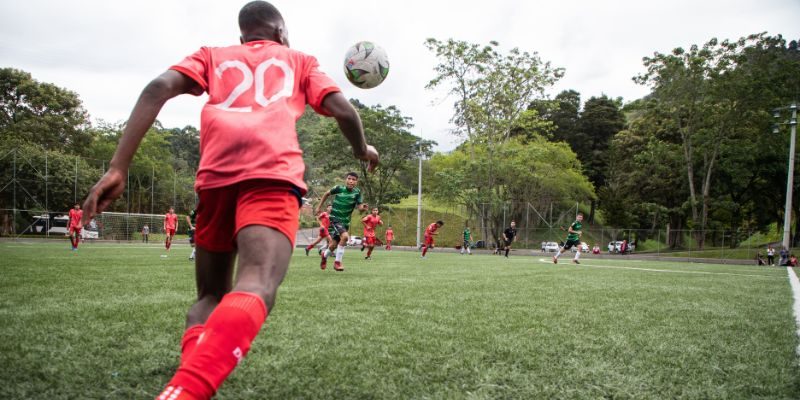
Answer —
106 190
371 156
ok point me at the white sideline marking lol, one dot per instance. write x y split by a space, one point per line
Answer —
795 284
95 247
664 270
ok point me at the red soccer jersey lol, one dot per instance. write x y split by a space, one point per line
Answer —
370 222
389 234
171 221
325 220
256 93
75 218
431 229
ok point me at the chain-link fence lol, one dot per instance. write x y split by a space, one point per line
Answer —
35 182
37 185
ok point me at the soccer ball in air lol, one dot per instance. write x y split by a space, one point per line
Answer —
366 65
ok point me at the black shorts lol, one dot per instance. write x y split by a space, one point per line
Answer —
570 243
467 244
191 236
508 242
336 229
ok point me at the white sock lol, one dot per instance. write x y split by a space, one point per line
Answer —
558 253
469 251
577 254
326 253
194 250
339 253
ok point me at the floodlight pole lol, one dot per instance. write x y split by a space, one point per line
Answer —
419 194
787 214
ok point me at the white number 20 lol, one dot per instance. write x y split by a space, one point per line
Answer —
247 83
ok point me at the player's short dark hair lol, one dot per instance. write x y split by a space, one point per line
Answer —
353 174
440 222
256 15
580 213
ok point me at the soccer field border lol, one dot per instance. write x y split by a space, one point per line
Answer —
593 275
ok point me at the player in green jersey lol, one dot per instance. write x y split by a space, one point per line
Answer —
467 241
573 239
345 199
191 219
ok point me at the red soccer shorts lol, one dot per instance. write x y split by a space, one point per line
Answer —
75 229
222 212
370 240
428 241
323 232
170 232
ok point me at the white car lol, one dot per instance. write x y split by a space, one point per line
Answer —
614 247
584 248
549 247
354 241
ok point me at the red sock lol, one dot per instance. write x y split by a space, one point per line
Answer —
369 252
189 341
424 250
168 244
226 340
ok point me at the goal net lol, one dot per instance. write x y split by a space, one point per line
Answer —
130 227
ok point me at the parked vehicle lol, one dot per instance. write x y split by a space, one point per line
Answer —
549 247
616 246
584 247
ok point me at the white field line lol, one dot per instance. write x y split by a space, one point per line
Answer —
795 284
102 246
661 270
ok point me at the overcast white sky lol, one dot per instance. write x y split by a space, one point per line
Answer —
106 51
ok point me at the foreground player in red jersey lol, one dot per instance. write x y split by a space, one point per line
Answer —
430 232
75 226
324 222
170 227
249 183
370 223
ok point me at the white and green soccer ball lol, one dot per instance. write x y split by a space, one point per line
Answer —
366 65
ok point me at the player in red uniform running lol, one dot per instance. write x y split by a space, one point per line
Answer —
170 227
389 237
370 223
324 222
249 183
430 232
75 226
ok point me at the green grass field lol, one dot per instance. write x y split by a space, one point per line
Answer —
105 323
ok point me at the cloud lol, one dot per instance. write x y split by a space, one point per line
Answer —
107 51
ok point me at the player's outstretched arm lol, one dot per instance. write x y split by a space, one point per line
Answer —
155 94
318 211
350 124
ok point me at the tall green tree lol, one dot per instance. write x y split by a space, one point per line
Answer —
40 113
493 92
600 120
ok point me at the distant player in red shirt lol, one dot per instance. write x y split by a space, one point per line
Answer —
249 183
389 237
75 226
324 219
170 226
430 232
370 223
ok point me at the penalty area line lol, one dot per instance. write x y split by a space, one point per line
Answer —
663 270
